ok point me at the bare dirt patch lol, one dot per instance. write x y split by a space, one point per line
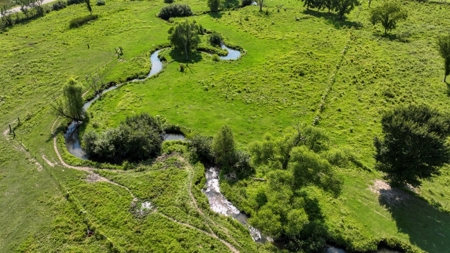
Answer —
391 196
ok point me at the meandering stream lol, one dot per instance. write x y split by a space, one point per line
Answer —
71 136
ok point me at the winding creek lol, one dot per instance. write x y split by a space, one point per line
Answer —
217 201
71 136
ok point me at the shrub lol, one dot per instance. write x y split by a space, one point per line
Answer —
182 67
215 39
246 2
216 58
201 146
175 10
77 22
101 2
70 2
168 1
59 5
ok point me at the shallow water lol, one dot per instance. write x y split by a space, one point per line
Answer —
174 137
232 54
221 205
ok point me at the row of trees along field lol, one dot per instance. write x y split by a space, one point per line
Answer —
31 9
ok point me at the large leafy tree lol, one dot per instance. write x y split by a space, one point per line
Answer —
71 104
185 37
388 14
444 50
414 144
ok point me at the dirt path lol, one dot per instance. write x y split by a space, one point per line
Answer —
17 9
391 196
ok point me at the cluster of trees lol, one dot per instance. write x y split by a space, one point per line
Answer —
137 138
341 7
221 151
414 144
29 8
283 208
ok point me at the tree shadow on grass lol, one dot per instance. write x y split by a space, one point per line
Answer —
448 88
403 37
426 226
217 14
333 19
178 56
56 132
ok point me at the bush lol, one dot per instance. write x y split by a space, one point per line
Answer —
213 5
101 2
175 10
215 39
168 1
70 2
201 146
59 5
216 58
246 2
77 22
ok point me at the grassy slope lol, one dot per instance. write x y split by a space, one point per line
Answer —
35 64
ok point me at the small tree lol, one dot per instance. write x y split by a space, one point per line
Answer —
185 37
71 105
388 14
414 144
444 49
343 7
214 5
224 147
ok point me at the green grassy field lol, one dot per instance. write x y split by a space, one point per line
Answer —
288 67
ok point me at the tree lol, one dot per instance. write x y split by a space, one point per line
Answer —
88 5
213 5
185 36
388 14
444 49
414 144
224 147
343 7
71 104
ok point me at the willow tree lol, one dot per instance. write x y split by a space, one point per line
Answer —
185 37
70 106
444 49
